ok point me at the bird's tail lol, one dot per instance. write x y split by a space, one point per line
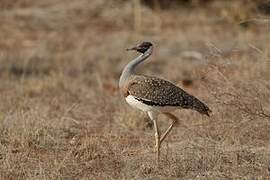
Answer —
200 107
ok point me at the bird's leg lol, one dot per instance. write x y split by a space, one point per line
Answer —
153 117
174 118
157 138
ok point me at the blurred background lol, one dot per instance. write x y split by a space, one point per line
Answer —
62 117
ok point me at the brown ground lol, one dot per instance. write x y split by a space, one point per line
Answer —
61 115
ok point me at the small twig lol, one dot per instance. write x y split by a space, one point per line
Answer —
256 49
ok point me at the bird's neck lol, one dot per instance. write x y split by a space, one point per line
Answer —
130 67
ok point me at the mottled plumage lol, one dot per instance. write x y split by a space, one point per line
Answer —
158 92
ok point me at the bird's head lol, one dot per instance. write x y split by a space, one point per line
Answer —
142 47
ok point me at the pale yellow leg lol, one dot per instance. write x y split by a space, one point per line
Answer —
157 137
174 118
153 117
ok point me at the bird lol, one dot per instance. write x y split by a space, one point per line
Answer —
154 95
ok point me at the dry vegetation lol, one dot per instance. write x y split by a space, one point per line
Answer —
61 116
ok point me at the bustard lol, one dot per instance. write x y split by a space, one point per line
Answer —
155 96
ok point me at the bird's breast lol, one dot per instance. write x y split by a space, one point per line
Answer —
132 101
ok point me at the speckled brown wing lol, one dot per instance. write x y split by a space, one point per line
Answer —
158 92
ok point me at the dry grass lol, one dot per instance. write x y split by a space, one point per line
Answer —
61 116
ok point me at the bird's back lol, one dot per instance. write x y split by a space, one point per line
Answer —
158 92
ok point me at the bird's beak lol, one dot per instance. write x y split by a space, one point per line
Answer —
132 48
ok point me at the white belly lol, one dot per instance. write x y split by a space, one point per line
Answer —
144 107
